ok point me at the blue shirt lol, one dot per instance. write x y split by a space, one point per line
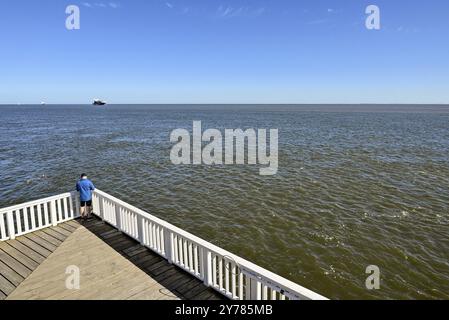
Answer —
85 188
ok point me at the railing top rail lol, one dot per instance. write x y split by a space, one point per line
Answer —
34 202
243 263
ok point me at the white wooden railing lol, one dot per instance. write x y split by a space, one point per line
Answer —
34 215
227 273
231 275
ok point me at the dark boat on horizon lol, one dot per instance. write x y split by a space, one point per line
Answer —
98 102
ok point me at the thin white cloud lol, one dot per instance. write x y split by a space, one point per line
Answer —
229 12
407 29
334 11
225 11
169 5
113 5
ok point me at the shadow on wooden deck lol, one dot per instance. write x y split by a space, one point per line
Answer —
172 278
24 264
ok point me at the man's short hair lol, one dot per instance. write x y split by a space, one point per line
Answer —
83 175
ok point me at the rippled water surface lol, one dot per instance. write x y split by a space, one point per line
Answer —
356 186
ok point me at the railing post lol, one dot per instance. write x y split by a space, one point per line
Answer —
140 228
207 266
100 207
168 245
54 218
256 289
10 222
75 199
118 217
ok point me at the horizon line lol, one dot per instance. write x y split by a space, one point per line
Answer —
143 103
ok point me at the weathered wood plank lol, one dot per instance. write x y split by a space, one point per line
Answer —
172 271
207 294
96 227
145 260
10 274
61 231
155 266
57 232
177 280
121 245
140 250
19 256
94 222
215 296
73 223
190 285
161 269
54 235
26 250
5 286
135 249
34 246
116 237
47 237
108 233
192 293
45 244
68 227
14 264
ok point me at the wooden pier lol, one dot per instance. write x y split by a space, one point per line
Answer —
122 253
111 264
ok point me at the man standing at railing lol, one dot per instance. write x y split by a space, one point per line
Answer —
85 187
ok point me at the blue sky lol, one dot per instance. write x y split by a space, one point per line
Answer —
225 51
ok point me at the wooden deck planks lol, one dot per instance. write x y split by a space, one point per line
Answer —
51 235
74 223
38 240
170 276
34 246
115 266
25 250
14 264
44 235
19 257
59 231
6 286
9 274
69 227
104 273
